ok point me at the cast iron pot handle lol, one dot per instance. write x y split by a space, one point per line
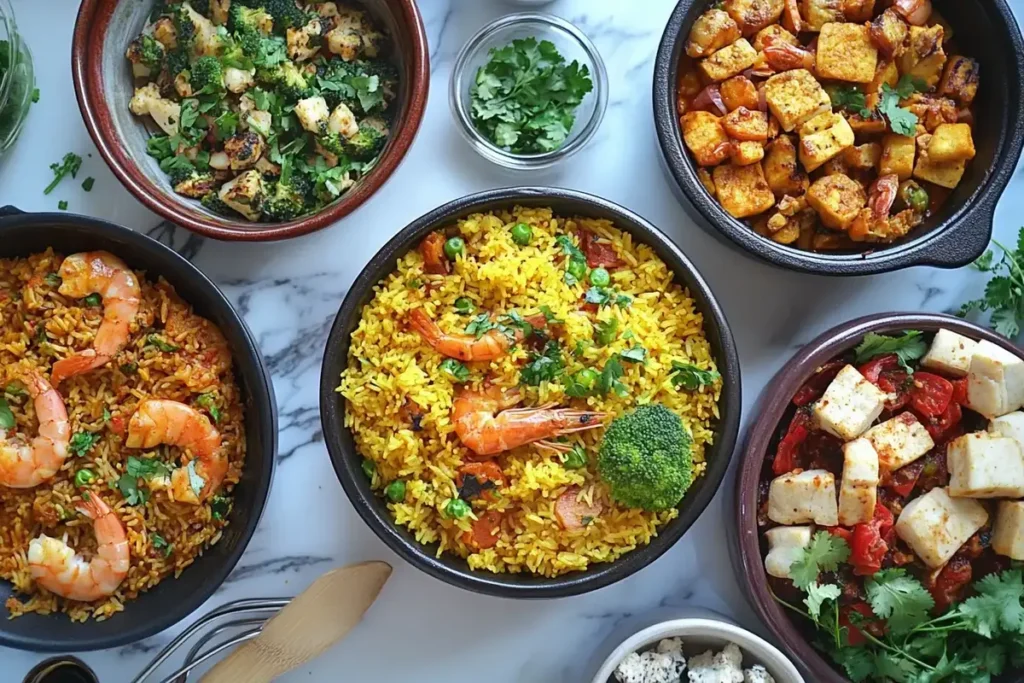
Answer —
10 210
965 242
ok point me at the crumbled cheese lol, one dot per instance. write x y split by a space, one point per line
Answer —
723 667
666 662
757 674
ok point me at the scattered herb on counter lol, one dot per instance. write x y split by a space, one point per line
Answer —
88 183
455 370
908 346
1004 293
82 442
62 205
525 97
6 415
690 377
69 165
35 94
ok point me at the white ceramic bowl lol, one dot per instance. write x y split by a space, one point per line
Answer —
704 634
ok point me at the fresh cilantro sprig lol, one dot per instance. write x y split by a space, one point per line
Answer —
908 346
456 371
899 599
901 121
690 377
543 367
1004 293
825 553
850 98
69 165
6 415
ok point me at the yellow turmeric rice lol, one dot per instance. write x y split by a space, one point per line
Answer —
400 392
171 353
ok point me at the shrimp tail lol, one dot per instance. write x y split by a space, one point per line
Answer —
93 507
427 328
81 362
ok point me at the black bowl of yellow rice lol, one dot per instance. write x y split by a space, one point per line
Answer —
390 405
149 606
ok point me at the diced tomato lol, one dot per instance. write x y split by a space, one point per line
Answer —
868 548
883 519
873 370
796 434
816 385
599 254
903 480
950 582
854 636
887 375
960 391
841 532
117 424
432 250
486 530
930 394
943 427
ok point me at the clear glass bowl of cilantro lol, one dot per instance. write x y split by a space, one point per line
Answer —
528 90
17 79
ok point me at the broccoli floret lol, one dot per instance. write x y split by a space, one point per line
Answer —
286 201
366 144
146 50
184 27
213 202
288 79
245 20
206 75
645 458
386 73
176 62
285 13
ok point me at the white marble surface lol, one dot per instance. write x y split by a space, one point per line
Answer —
422 629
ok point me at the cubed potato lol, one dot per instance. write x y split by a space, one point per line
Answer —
1007 535
753 15
817 13
729 61
935 525
785 546
960 79
747 152
706 138
864 156
950 353
774 34
885 74
946 175
712 31
846 53
889 33
859 11
822 138
898 154
795 97
985 465
781 169
804 497
861 126
950 142
899 441
849 405
858 491
995 381
837 199
744 124
742 190
739 91
924 57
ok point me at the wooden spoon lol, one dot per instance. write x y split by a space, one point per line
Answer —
312 622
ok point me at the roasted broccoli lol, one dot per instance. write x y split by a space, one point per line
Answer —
212 202
243 20
184 27
284 12
176 62
645 458
366 144
287 200
147 51
206 75
289 80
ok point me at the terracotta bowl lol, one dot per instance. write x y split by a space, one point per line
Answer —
103 85
772 406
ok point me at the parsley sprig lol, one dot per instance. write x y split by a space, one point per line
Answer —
1004 293
69 165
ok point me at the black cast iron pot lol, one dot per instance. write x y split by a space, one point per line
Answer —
454 570
173 599
983 29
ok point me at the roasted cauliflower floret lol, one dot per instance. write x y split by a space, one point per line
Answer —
206 41
196 185
353 36
244 150
165 33
313 114
343 121
166 113
245 194
304 43
239 80
146 54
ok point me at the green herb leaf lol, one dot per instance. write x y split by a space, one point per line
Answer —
69 165
160 344
53 280
908 346
82 442
997 607
1004 294
850 98
899 599
605 331
543 367
637 354
209 402
195 480
455 370
549 316
609 379
219 507
480 325
62 205
901 121
690 377
93 299
823 554
6 415
818 595
146 468
159 543
16 390
35 95
575 459
129 488
602 296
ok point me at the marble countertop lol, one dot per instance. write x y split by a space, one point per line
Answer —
422 629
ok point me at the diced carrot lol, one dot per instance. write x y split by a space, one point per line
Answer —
486 530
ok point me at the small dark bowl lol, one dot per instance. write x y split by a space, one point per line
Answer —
103 85
172 600
452 569
745 550
985 30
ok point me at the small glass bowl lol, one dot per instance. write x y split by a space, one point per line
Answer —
17 82
571 43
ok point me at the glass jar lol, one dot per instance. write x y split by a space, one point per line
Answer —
17 79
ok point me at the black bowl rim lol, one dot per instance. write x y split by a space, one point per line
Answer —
345 461
945 246
143 625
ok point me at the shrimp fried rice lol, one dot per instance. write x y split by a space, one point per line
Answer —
170 353
400 391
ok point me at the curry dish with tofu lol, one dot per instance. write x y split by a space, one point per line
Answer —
890 504
827 124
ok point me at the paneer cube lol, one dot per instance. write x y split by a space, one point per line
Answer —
874 125
858 11
858 490
960 80
850 404
1007 532
864 156
785 544
951 142
837 199
946 175
822 138
781 169
313 114
898 154
846 53
706 138
245 194
774 34
889 31
166 113
739 91
817 13
1010 425
754 15
747 152
984 465
795 97
899 441
935 525
729 61
887 73
802 498
744 124
924 57
950 353
712 31
995 381
742 190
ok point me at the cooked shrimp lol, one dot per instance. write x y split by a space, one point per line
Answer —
102 273
59 569
158 421
466 347
25 464
486 431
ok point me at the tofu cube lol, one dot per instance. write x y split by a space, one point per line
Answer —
822 138
747 152
846 53
899 441
739 91
935 525
802 498
995 381
950 353
984 465
837 199
785 544
898 154
946 175
818 13
863 157
1007 533
849 405
1011 426
782 170
796 97
774 34
951 142
729 61
858 490
742 190
706 138
960 80
744 124
923 57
